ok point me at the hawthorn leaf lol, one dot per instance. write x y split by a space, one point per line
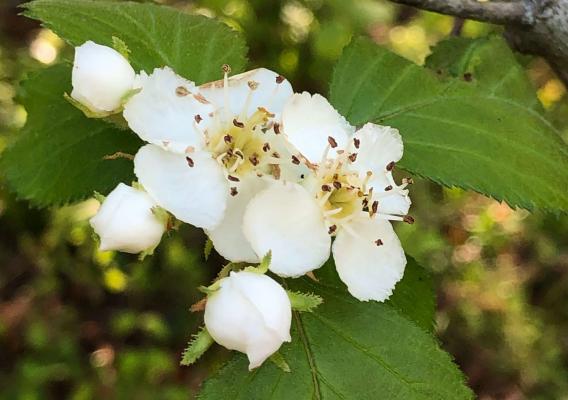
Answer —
469 122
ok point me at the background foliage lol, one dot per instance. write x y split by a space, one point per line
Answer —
82 324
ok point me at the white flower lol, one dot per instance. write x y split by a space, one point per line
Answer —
126 221
101 77
350 194
208 145
250 313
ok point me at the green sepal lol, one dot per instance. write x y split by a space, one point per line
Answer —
262 268
99 197
279 360
304 302
162 215
207 248
114 117
86 110
197 346
119 45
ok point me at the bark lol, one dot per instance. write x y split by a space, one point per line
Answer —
538 27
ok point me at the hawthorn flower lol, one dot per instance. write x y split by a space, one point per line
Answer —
250 313
350 194
209 146
101 78
127 221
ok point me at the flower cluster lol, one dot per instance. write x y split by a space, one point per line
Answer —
262 170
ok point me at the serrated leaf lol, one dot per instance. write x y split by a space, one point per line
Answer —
346 349
59 155
483 131
196 47
305 302
198 345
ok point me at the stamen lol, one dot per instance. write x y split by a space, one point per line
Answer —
374 207
276 128
390 166
389 187
182 91
332 142
356 142
233 178
295 160
266 147
198 118
234 191
238 124
326 188
353 157
280 79
379 242
190 162
253 85
408 219
332 229
254 159
337 185
228 138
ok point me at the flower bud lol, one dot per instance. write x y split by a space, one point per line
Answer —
250 313
101 77
126 221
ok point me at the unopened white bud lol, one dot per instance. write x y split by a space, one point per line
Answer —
250 313
126 221
101 77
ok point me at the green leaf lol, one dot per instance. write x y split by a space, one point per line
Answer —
414 296
207 248
280 362
59 155
198 345
481 130
305 302
196 47
346 349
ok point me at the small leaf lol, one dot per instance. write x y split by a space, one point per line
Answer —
265 262
280 362
207 248
198 345
119 45
305 302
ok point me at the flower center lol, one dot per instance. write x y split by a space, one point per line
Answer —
342 194
241 146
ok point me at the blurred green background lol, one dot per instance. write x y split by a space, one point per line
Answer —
80 324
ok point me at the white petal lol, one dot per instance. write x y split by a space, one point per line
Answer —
228 237
164 112
269 298
268 93
196 195
308 120
101 77
369 271
125 221
250 313
394 201
286 219
378 146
